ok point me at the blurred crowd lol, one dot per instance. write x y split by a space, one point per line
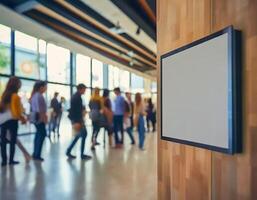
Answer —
116 117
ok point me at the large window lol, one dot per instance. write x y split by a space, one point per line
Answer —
137 83
5 41
83 71
58 64
30 56
97 73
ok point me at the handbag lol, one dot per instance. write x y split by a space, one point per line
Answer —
5 116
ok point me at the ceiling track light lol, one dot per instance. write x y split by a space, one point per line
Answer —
138 30
131 54
131 63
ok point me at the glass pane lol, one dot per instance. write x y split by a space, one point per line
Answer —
42 47
137 83
25 41
30 56
24 94
116 77
83 72
154 99
64 91
97 73
58 64
124 80
3 82
110 77
154 87
5 52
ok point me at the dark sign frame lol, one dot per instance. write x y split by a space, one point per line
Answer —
234 84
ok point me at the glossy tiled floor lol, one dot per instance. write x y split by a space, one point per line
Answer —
122 174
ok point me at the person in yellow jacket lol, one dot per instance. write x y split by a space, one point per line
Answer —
11 101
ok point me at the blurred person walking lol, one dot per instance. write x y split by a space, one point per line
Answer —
119 107
62 107
38 117
139 113
11 112
95 105
151 115
76 115
108 114
54 115
128 117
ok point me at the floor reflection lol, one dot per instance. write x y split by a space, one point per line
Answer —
127 173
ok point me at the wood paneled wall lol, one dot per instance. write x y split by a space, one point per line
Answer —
190 173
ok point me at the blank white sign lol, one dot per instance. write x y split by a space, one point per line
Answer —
195 93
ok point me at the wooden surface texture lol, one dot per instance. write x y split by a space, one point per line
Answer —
191 173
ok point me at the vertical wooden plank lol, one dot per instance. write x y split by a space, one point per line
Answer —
191 173
184 172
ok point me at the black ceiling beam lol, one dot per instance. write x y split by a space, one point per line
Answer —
26 6
89 11
152 5
90 27
53 20
132 14
59 23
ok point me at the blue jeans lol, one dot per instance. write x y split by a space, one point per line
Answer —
39 139
82 134
141 131
118 127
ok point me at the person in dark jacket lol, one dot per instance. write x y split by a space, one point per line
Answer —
151 115
61 107
55 114
76 115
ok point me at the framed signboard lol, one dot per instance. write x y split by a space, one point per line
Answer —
201 93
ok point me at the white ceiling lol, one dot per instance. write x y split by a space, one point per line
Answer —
111 12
